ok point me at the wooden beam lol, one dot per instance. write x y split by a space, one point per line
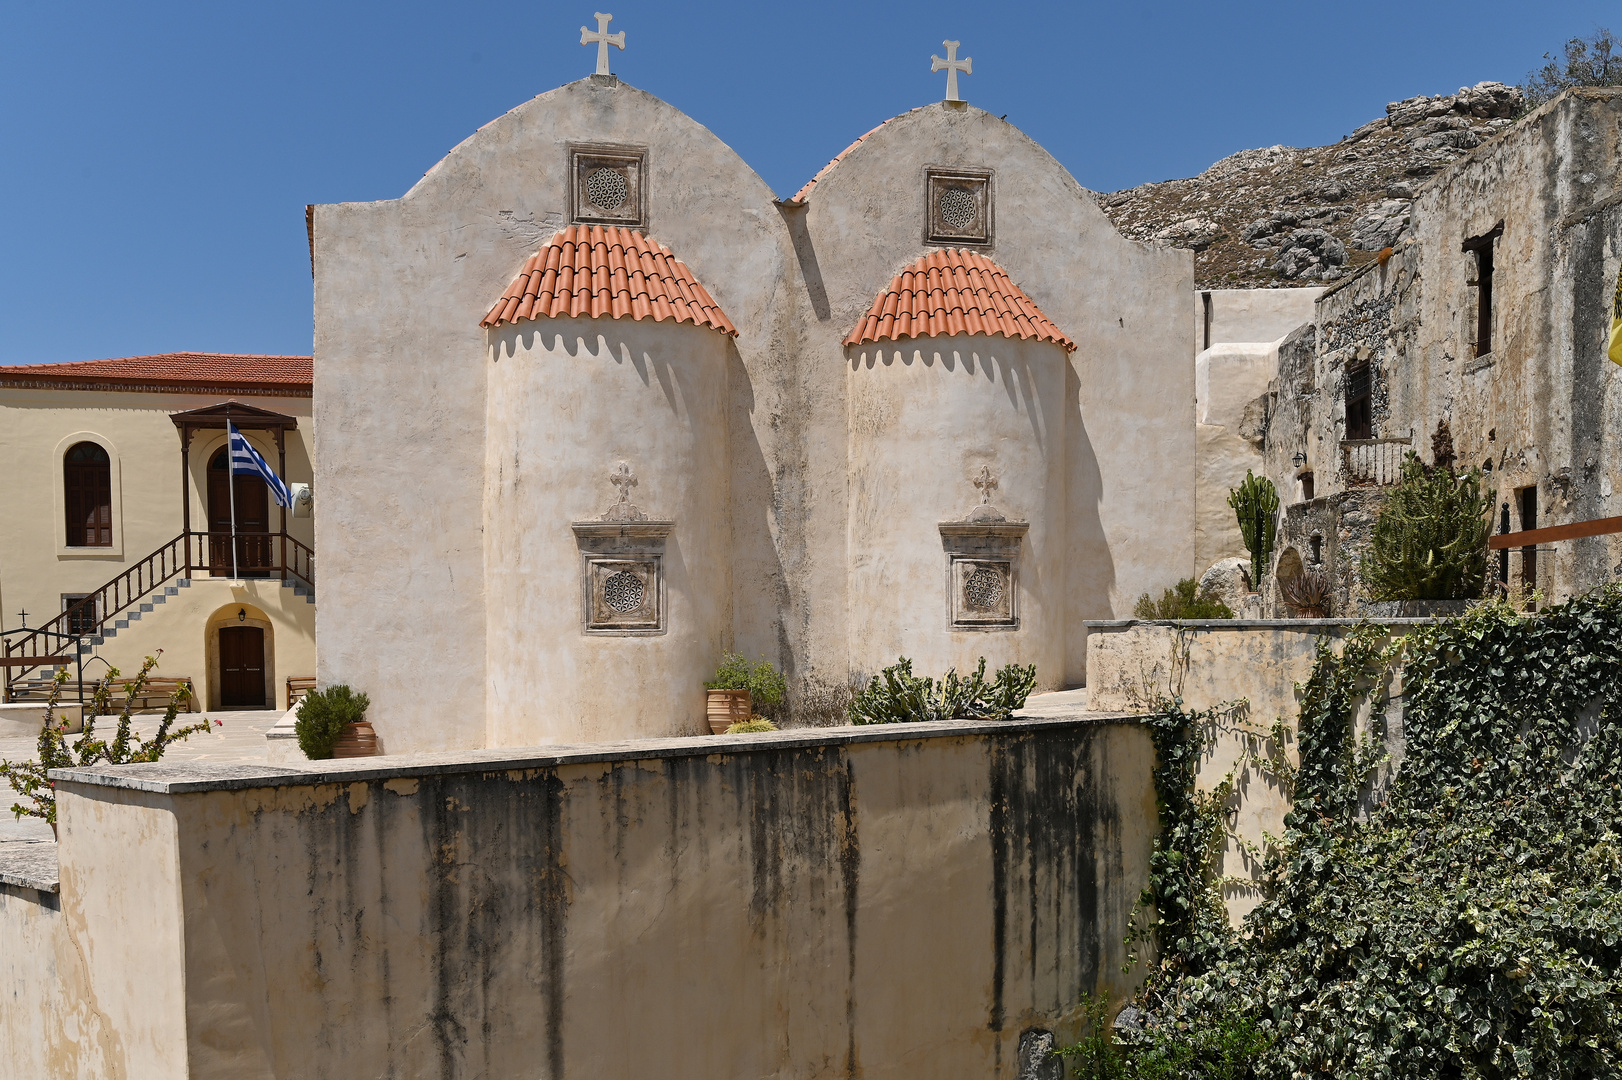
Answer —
33 661
1531 537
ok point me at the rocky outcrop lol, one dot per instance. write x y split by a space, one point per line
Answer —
1285 215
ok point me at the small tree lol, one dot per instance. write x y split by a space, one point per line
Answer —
29 779
1256 503
1591 61
1186 601
1430 540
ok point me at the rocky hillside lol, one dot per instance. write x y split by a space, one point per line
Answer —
1287 215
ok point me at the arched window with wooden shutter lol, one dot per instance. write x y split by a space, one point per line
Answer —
87 488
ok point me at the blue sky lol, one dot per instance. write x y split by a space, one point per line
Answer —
157 156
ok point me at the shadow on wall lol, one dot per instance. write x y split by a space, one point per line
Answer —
1091 577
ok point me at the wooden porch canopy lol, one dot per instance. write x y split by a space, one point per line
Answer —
214 417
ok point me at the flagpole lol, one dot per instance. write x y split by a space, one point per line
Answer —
231 482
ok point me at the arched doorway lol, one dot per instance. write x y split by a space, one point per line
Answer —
253 554
240 647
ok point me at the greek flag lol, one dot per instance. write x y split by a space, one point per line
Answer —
245 461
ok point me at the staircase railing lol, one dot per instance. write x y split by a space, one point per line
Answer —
261 555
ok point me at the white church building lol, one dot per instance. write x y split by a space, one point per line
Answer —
595 406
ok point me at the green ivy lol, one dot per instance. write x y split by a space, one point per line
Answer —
1469 923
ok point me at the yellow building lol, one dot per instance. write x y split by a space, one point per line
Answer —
122 532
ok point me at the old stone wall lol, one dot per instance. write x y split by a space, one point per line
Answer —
881 902
1536 406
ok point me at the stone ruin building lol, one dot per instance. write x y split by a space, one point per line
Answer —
1476 339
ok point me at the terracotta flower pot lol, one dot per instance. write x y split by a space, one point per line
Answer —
727 707
358 740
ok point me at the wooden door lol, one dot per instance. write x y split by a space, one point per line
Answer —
242 667
254 550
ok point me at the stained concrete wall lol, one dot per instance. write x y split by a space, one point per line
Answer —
593 393
926 416
876 902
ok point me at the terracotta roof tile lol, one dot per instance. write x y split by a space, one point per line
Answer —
291 375
607 272
946 293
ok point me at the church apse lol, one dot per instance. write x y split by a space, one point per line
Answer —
607 531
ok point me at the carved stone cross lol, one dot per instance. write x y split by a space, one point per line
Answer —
625 510
603 39
987 483
951 65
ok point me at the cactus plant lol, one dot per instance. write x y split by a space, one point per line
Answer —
1256 503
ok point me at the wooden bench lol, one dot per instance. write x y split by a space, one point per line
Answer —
154 695
297 687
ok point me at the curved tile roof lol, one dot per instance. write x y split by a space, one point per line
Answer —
289 375
952 292
606 271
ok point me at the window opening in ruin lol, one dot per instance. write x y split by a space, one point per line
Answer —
1529 520
1503 553
1359 401
1205 303
1317 550
1481 249
1306 487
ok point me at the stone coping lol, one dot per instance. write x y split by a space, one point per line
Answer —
30 865
1265 624
176 778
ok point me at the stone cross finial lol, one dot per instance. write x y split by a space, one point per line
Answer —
987 483
603 39
624 510
951 65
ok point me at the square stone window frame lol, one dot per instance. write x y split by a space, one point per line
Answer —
982 544
936 231
586 158
615 546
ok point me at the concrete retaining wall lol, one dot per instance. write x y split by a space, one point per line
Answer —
881 902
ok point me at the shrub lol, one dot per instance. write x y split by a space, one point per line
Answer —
751 726
29 779
322 717
1255 503
1463 919
1185 601
897 696
1593 61
1430 540
764 682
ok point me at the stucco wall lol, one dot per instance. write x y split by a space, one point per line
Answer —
654 396
881 902
406 381
1249 315
402 367
1228 381
1129 438
37 426
925 417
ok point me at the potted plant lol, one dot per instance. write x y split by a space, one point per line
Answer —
737 687
332 723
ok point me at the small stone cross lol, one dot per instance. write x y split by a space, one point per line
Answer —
951 65
603 39
623 479
986 483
